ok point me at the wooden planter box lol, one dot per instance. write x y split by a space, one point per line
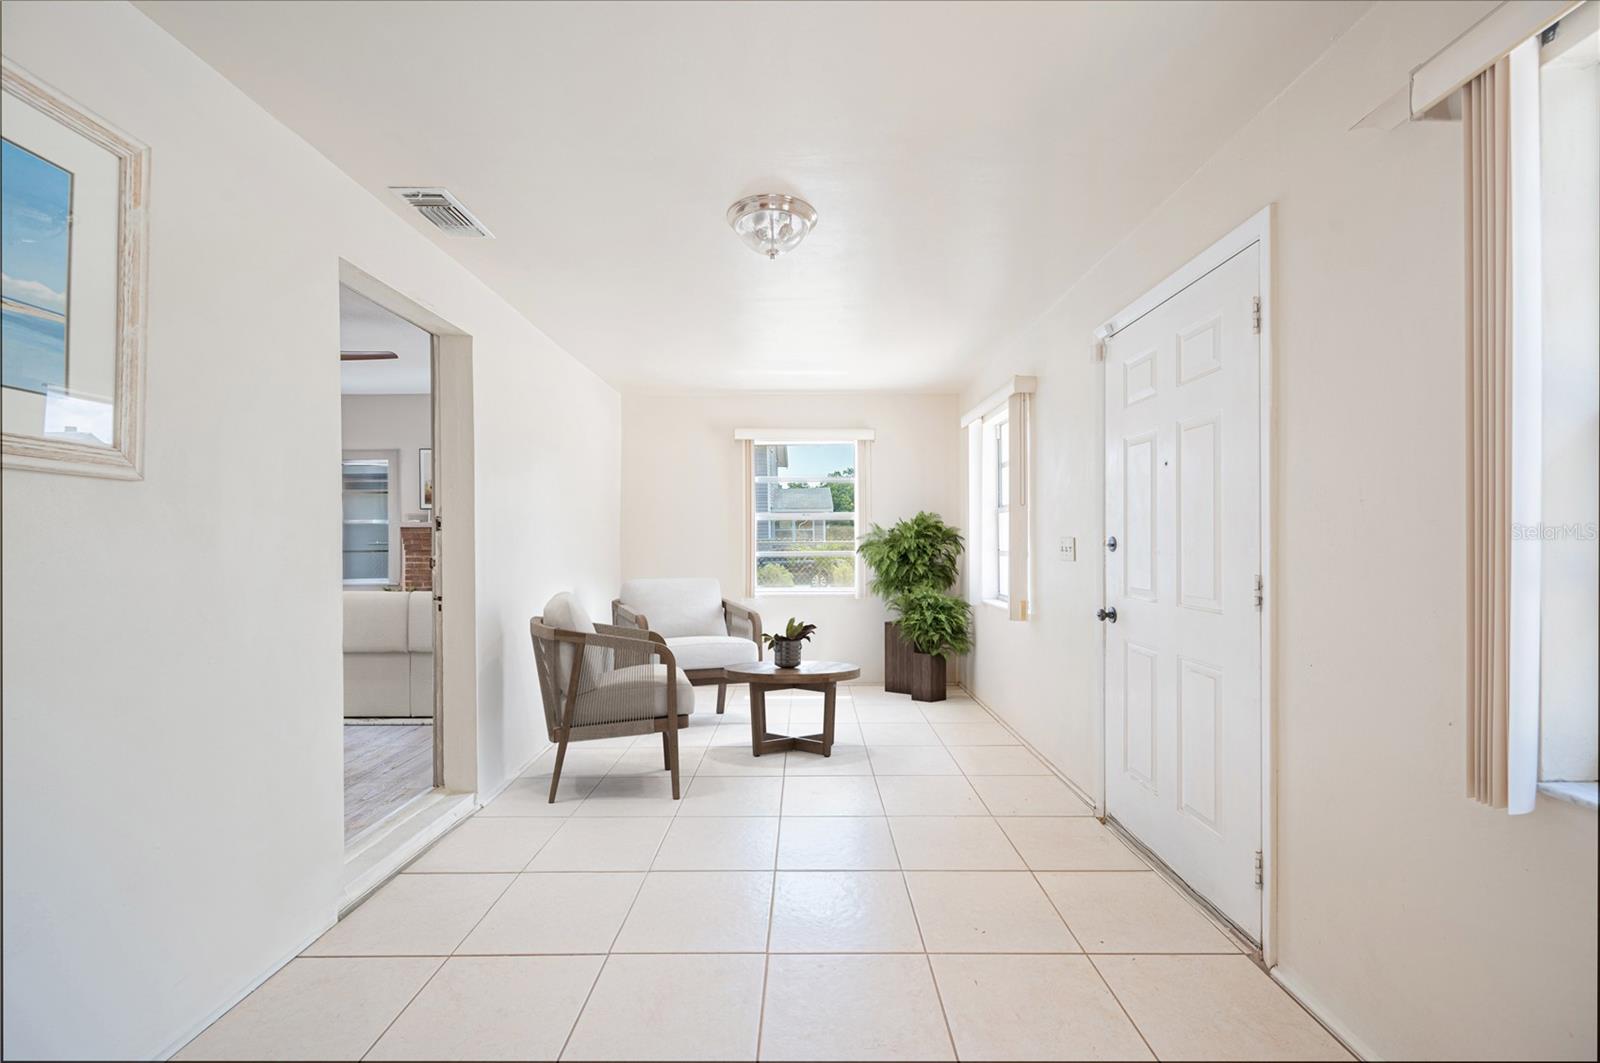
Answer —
905 671
897 654
927 677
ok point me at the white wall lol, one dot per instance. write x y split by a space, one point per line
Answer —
682 493
172 775
391 422
1423 925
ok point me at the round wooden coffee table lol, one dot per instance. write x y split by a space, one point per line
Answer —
824 676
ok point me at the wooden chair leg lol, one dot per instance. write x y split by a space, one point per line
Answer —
722 697
671 735
555 779
666 748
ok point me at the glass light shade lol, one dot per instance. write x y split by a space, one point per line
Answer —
772 224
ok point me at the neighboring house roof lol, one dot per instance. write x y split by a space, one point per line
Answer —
802 500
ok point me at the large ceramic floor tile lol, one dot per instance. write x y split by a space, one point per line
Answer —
912 760
493 1007
739 843
963 710
852 1007
929 795
845 760
646 761
986 911
1033 1007
1069 843
997 760
699 911
504 843
595 844
836 843
843 911
841 795
672 1007
953 843
559 912
974 734
413 915
898 734
530 796
632 795
1130 911
1028 795
902 711
315 1009
738 760
717 795
1214 1007
581 759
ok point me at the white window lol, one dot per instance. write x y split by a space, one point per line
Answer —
997 527
1569 601
806 518
371 515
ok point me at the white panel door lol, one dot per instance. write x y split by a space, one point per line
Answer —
1183 656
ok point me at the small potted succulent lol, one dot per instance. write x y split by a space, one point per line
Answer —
786 647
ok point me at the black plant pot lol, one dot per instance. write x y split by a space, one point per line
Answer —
786 654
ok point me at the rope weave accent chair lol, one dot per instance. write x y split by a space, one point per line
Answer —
605 681
705 631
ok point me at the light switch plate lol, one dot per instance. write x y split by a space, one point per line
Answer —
1069 548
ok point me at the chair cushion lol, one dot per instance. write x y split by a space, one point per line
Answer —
638 692
566 613
675 607
375 622
711 651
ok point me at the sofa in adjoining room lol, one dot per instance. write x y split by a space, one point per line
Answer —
388 653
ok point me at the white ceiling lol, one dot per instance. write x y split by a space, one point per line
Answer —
366 326
969 160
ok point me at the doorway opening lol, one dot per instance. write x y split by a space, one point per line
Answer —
1185 673
387 563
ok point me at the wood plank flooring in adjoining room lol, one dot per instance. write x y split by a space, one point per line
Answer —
385 765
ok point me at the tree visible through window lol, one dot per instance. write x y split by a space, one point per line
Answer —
805 517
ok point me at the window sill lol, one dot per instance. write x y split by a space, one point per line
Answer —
998 603
1582 794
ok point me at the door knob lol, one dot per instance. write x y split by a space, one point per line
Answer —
1111 544
1107 614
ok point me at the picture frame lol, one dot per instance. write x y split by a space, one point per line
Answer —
425 477
72 394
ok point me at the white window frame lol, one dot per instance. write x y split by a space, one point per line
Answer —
1007 411
859 440
391 460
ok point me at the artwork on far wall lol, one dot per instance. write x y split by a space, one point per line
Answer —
72 285
425 477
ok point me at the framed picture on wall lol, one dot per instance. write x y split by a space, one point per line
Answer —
73 190
425 477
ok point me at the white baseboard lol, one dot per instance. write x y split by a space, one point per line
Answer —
1083 795
200 1027
1341 1031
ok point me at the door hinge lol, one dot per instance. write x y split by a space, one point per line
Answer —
433 562
1255 314
438 524
438 602
1260 590
1259 876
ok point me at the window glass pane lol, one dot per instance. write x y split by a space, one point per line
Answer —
798 572
1003 484
805 525
366 519
1002 531
1005 577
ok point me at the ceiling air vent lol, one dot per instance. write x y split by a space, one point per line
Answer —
444 210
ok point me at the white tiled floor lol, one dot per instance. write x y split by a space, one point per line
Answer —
930 891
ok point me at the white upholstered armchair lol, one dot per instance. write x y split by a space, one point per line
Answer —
705 631
602 681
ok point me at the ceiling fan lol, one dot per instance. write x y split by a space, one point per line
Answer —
366 356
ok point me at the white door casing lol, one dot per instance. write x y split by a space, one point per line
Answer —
1183 713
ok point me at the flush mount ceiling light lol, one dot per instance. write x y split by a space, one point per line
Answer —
772 224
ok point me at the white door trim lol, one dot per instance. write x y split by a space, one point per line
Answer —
1255 230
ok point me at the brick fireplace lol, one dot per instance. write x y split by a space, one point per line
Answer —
416 546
